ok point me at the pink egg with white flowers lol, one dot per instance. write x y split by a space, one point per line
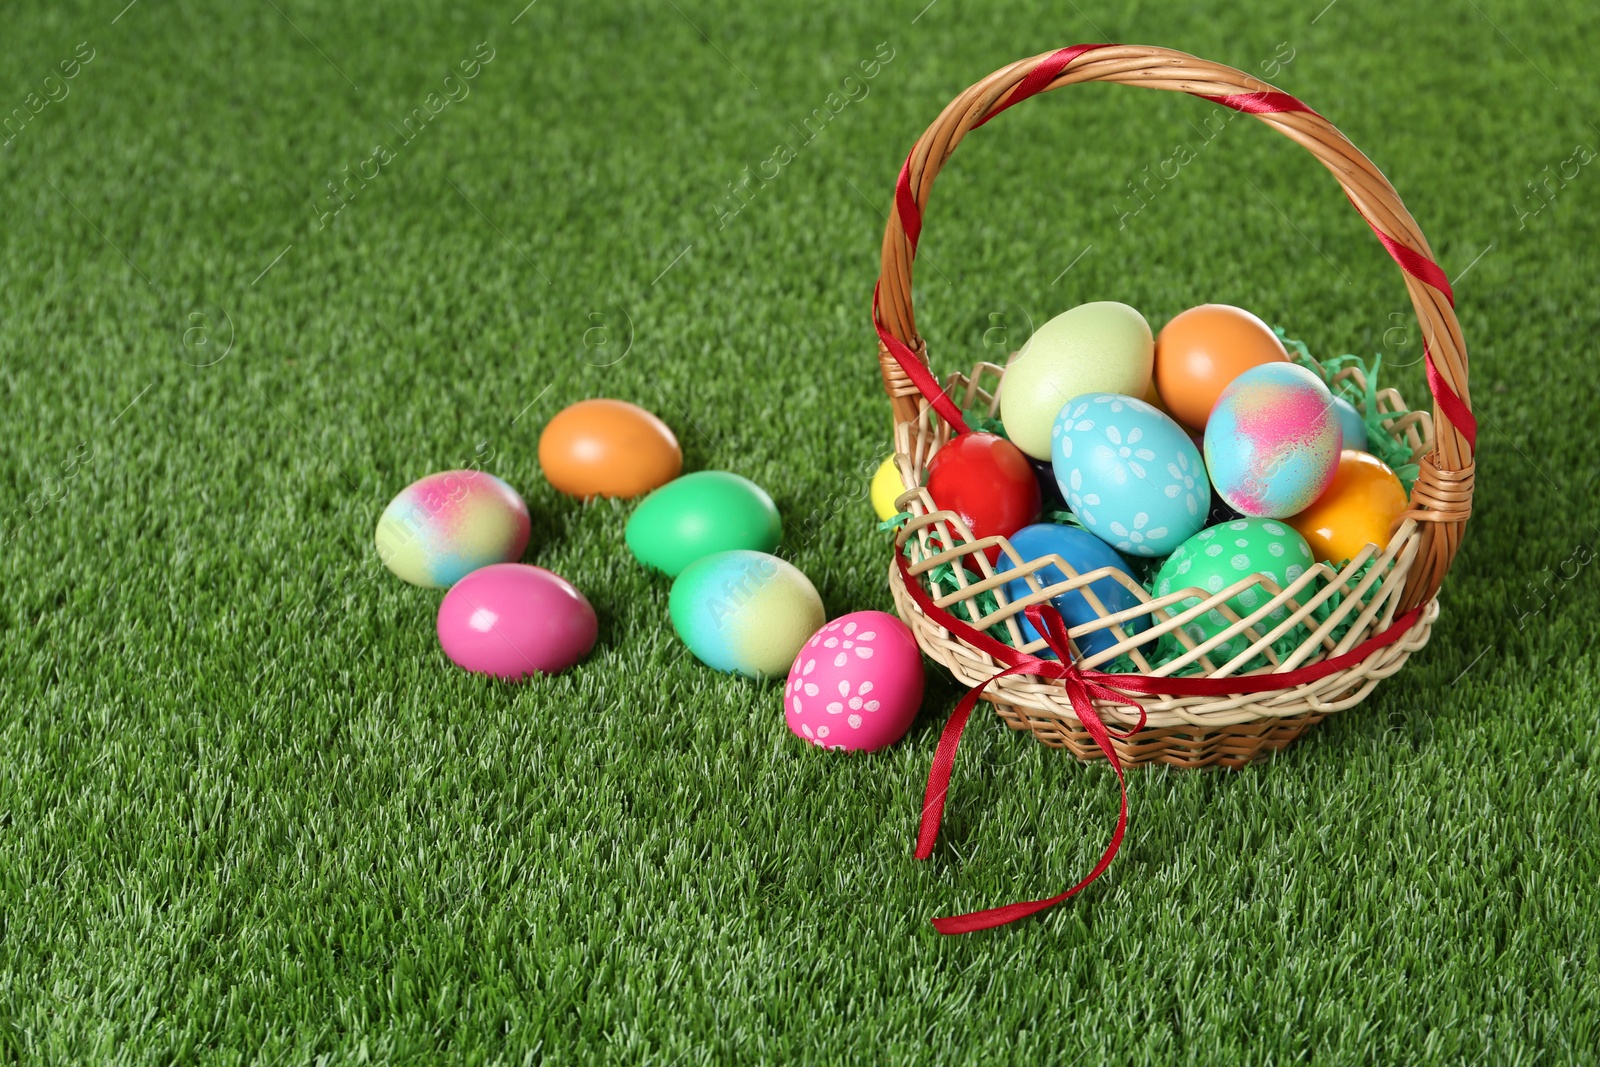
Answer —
856 684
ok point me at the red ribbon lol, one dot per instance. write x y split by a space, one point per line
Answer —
1083 686
1415 264
1082 689
1262 103
1455 409
1428 272
1044 72
918 372
1036 81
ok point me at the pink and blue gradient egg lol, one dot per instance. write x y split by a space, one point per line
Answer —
443 527
1272 442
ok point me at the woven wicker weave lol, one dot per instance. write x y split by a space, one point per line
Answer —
1188 731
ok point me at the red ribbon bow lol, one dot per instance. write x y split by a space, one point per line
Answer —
1083 687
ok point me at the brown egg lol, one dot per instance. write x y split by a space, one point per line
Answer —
608 448
1203 349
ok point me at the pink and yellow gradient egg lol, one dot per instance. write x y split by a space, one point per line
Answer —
1272 441
443 527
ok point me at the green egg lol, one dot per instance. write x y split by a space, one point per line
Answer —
1219 556
745 612
692 517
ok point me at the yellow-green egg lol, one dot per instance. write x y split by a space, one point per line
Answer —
745 612
1099 347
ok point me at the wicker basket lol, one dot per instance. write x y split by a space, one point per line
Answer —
1261 716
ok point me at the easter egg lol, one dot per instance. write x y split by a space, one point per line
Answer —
886 486
986 480
700 514
856 684
1202 350
1130 474
1100 347
512 620
745 612
1219 556
1273 440
1351 423
1360 507
446 525
1083 552
608 448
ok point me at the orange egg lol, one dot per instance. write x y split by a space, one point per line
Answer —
1203 349
608 448
1360 507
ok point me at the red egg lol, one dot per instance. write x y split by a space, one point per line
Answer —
987 481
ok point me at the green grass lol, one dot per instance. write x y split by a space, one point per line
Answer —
249 813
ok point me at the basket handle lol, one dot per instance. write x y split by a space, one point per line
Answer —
1441 500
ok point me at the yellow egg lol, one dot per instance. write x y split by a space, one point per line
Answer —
1360 507
886 485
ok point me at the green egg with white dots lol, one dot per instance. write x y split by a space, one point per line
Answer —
1220 556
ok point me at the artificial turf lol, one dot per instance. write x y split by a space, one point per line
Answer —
249 813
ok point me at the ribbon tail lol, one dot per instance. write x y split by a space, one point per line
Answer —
1010 913
944 761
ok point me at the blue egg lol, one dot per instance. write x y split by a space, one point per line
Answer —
1130 474
1083 552
1351 422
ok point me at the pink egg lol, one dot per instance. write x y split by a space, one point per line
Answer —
856 684
512 620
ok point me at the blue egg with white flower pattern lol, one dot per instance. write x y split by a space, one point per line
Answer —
1130 474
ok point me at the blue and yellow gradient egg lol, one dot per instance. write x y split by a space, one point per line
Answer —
443 527
745 612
